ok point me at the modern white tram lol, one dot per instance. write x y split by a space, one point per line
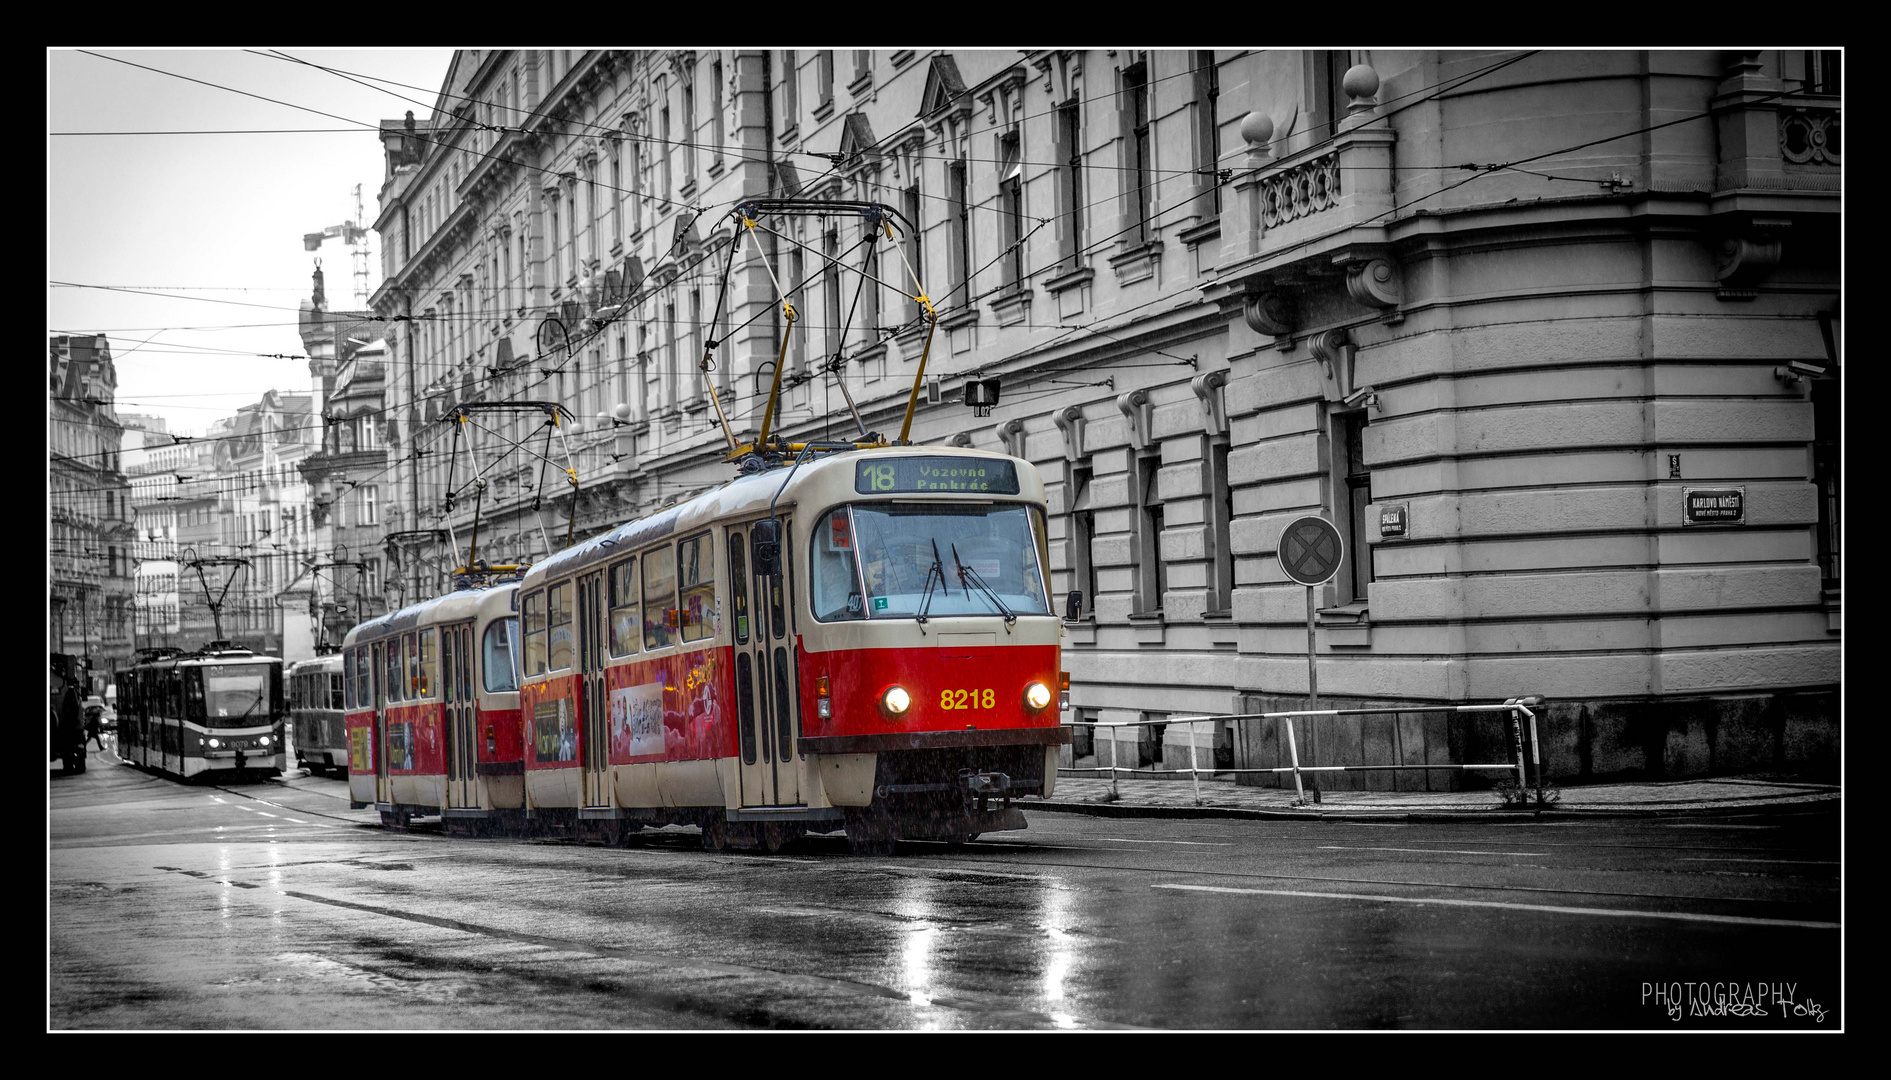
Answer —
218 710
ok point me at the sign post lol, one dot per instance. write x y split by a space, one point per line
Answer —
1310 553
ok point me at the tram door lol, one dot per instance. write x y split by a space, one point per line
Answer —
456 647
382 790
765 691
593 711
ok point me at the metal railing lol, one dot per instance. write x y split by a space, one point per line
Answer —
1519 710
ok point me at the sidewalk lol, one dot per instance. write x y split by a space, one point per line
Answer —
1166 797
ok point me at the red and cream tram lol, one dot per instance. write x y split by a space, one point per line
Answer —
317 733
432 710
863 640
218 710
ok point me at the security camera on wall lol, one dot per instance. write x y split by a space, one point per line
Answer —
1364 397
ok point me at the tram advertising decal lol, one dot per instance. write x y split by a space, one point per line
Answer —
400 745
952 475
360 749
554 736
637 721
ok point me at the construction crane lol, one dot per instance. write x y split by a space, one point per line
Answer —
355 235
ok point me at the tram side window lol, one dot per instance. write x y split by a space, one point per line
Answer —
836 588
395 683
624 608
739 587
499 656
558 612
429 646
535 634
410 655
336 695
659 594
697 578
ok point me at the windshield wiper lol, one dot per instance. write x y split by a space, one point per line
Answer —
925 598
253 704
966 571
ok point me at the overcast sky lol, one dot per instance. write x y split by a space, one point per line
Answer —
185 248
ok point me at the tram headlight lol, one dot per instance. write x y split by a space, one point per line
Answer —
1037 696
895 701
264 739
214 744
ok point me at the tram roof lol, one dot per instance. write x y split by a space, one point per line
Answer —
451 607
744 495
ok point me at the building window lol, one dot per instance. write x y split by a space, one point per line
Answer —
715 106
617 194
1220 512
909 206
1208 131
1070 185
830 295
370 505
1082 531
669 352
636 186
824 77
1152 575
1352 494
870 295
959 256
797 296
571 231
1822 71
790 98
688 87
1136 144
663 127
699 380
1329 97
555 209
1011 209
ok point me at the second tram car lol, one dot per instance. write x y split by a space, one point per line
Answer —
220 709
432 703
319 734
862 641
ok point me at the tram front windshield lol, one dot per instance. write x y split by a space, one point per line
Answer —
236 695
873 560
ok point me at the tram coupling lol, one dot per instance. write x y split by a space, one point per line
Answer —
985 784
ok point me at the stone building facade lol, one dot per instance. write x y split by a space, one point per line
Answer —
347 473
89 533
1566 379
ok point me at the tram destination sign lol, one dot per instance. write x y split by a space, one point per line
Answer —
1714 506
946 475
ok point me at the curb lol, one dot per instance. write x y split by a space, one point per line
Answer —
1421 816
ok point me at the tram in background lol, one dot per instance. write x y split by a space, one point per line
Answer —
319 733
218 710
861 641
431 699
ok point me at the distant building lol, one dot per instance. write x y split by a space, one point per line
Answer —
89 541
1566 379
348 470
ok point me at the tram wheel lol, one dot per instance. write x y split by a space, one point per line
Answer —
775 836
716 835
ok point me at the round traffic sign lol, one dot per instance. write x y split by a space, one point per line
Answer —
1310 550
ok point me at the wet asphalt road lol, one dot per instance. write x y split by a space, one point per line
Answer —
271 905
